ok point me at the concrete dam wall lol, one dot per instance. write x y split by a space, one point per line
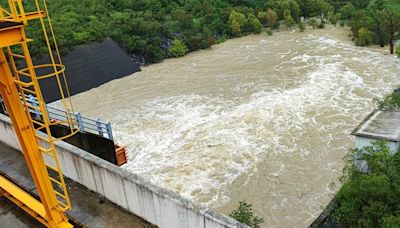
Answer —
133 193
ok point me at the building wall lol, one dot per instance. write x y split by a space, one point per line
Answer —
133 193
363 142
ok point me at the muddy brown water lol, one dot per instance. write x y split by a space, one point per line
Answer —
266 119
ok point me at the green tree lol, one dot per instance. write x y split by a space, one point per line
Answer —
365 37
236 22
290 6
334 18
244 214
178 48
289 21
253 24
392 10
347 11
386 14
262 17
381 25
302 27
271 17
324 8
361 19
398 51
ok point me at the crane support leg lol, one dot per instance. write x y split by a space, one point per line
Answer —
47 209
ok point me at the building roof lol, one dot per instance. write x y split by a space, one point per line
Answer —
89 66
380 125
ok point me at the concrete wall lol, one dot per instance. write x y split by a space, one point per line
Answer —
156 205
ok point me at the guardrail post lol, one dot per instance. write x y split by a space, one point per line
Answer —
98 124
80 123
109 131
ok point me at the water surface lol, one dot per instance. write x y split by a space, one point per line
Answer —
262 119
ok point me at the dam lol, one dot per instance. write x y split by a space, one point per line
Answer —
266 119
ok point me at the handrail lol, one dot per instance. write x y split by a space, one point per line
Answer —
85 124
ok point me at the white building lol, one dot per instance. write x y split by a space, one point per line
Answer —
379 125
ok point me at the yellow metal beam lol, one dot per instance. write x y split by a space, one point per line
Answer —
24 129
16 194
23 17
11 35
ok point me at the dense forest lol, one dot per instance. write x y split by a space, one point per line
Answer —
158 29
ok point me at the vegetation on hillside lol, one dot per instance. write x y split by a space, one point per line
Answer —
149 28
370 199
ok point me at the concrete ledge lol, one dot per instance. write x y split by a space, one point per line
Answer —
130 191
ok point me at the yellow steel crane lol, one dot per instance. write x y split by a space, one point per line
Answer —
19 80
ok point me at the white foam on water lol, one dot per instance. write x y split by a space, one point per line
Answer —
199 145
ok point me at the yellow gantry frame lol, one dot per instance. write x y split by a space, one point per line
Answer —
49 210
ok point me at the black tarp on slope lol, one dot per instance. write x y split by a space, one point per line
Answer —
89 66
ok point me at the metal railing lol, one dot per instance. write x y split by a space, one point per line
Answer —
85 124
2 106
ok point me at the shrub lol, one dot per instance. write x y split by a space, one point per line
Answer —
244 214
365 37
289 21
390 102
313 22
302 27
269 31
334 18
398 51
178 48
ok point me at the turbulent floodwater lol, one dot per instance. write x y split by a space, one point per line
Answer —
262 119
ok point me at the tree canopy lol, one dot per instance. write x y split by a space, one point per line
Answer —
147 28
